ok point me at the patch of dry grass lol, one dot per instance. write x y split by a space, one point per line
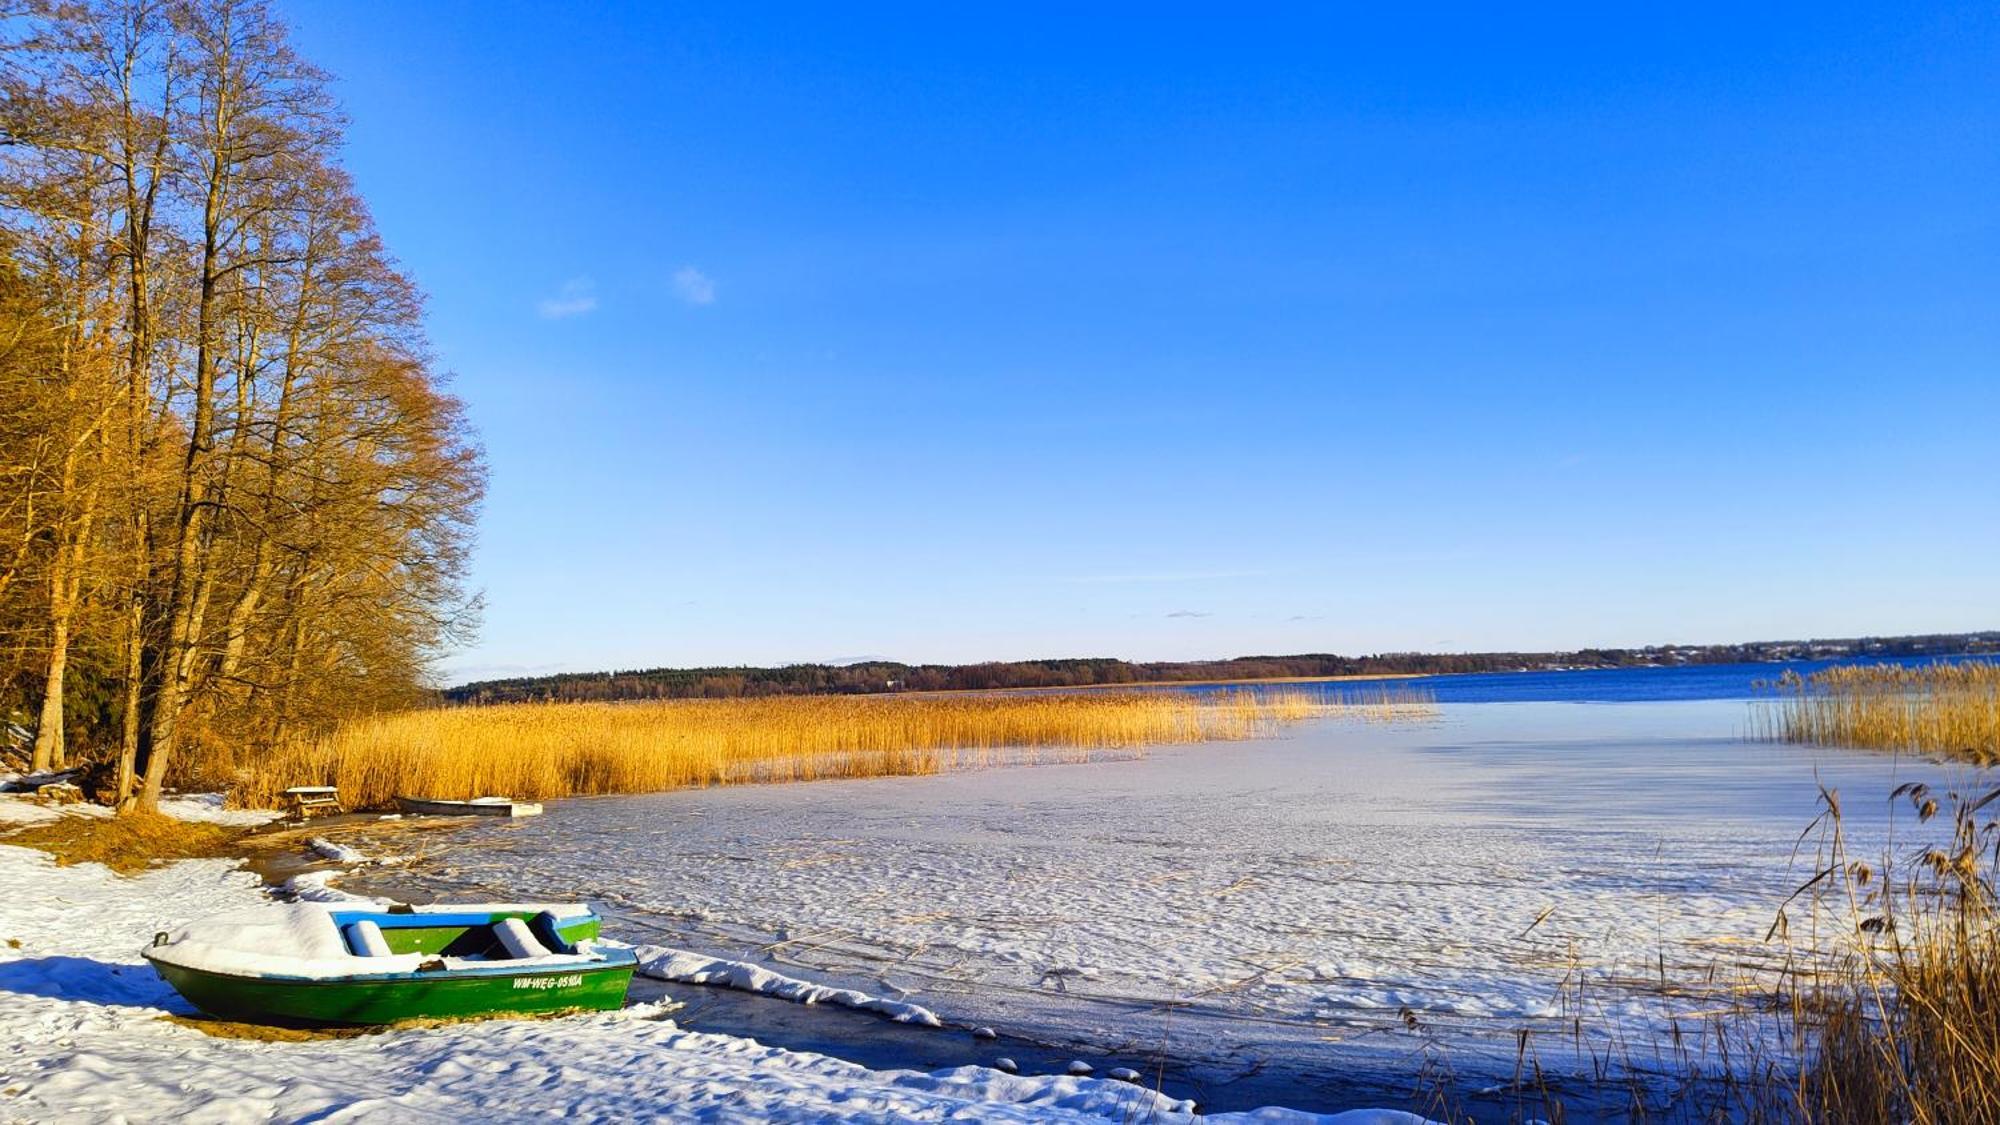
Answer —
302 1033
1950 708
266 1032
533 751
128 843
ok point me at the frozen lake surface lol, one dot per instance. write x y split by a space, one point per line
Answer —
1258 922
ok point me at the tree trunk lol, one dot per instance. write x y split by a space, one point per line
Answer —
65 590
128 729
236 632
49 731
183 626
66 584
177 660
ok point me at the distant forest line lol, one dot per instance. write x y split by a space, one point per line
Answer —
875 677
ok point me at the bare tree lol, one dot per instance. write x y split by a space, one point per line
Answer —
258 109
227 462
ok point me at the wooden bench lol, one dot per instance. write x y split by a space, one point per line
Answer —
313 800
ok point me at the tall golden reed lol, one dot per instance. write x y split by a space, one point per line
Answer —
1877 999
1906 1026
541 750
1950 708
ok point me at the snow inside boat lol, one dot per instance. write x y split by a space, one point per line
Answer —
478 806
329 964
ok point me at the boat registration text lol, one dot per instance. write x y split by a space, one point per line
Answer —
566 981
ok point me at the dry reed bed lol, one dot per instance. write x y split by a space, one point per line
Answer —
1880 1002
1946 708
535 751
1907 1027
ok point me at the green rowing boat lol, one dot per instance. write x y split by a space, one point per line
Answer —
323 964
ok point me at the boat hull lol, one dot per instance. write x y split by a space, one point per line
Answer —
365 1001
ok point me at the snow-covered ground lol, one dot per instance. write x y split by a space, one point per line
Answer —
18 810
1263 918
81 1020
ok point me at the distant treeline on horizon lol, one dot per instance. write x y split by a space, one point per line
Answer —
889 676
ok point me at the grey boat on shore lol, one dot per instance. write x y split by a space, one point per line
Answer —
478 806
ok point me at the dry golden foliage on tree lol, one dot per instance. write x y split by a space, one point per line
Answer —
235 500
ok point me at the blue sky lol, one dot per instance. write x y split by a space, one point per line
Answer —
938 334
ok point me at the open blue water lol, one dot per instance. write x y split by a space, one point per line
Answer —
1682 683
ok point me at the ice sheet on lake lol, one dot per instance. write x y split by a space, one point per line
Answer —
1287 905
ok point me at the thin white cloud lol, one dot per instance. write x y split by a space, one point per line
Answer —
1175 576
577 296
477 673
693 286
1190 613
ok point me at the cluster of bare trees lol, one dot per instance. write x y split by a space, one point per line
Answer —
234 502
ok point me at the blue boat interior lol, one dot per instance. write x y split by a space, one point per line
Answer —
481 935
